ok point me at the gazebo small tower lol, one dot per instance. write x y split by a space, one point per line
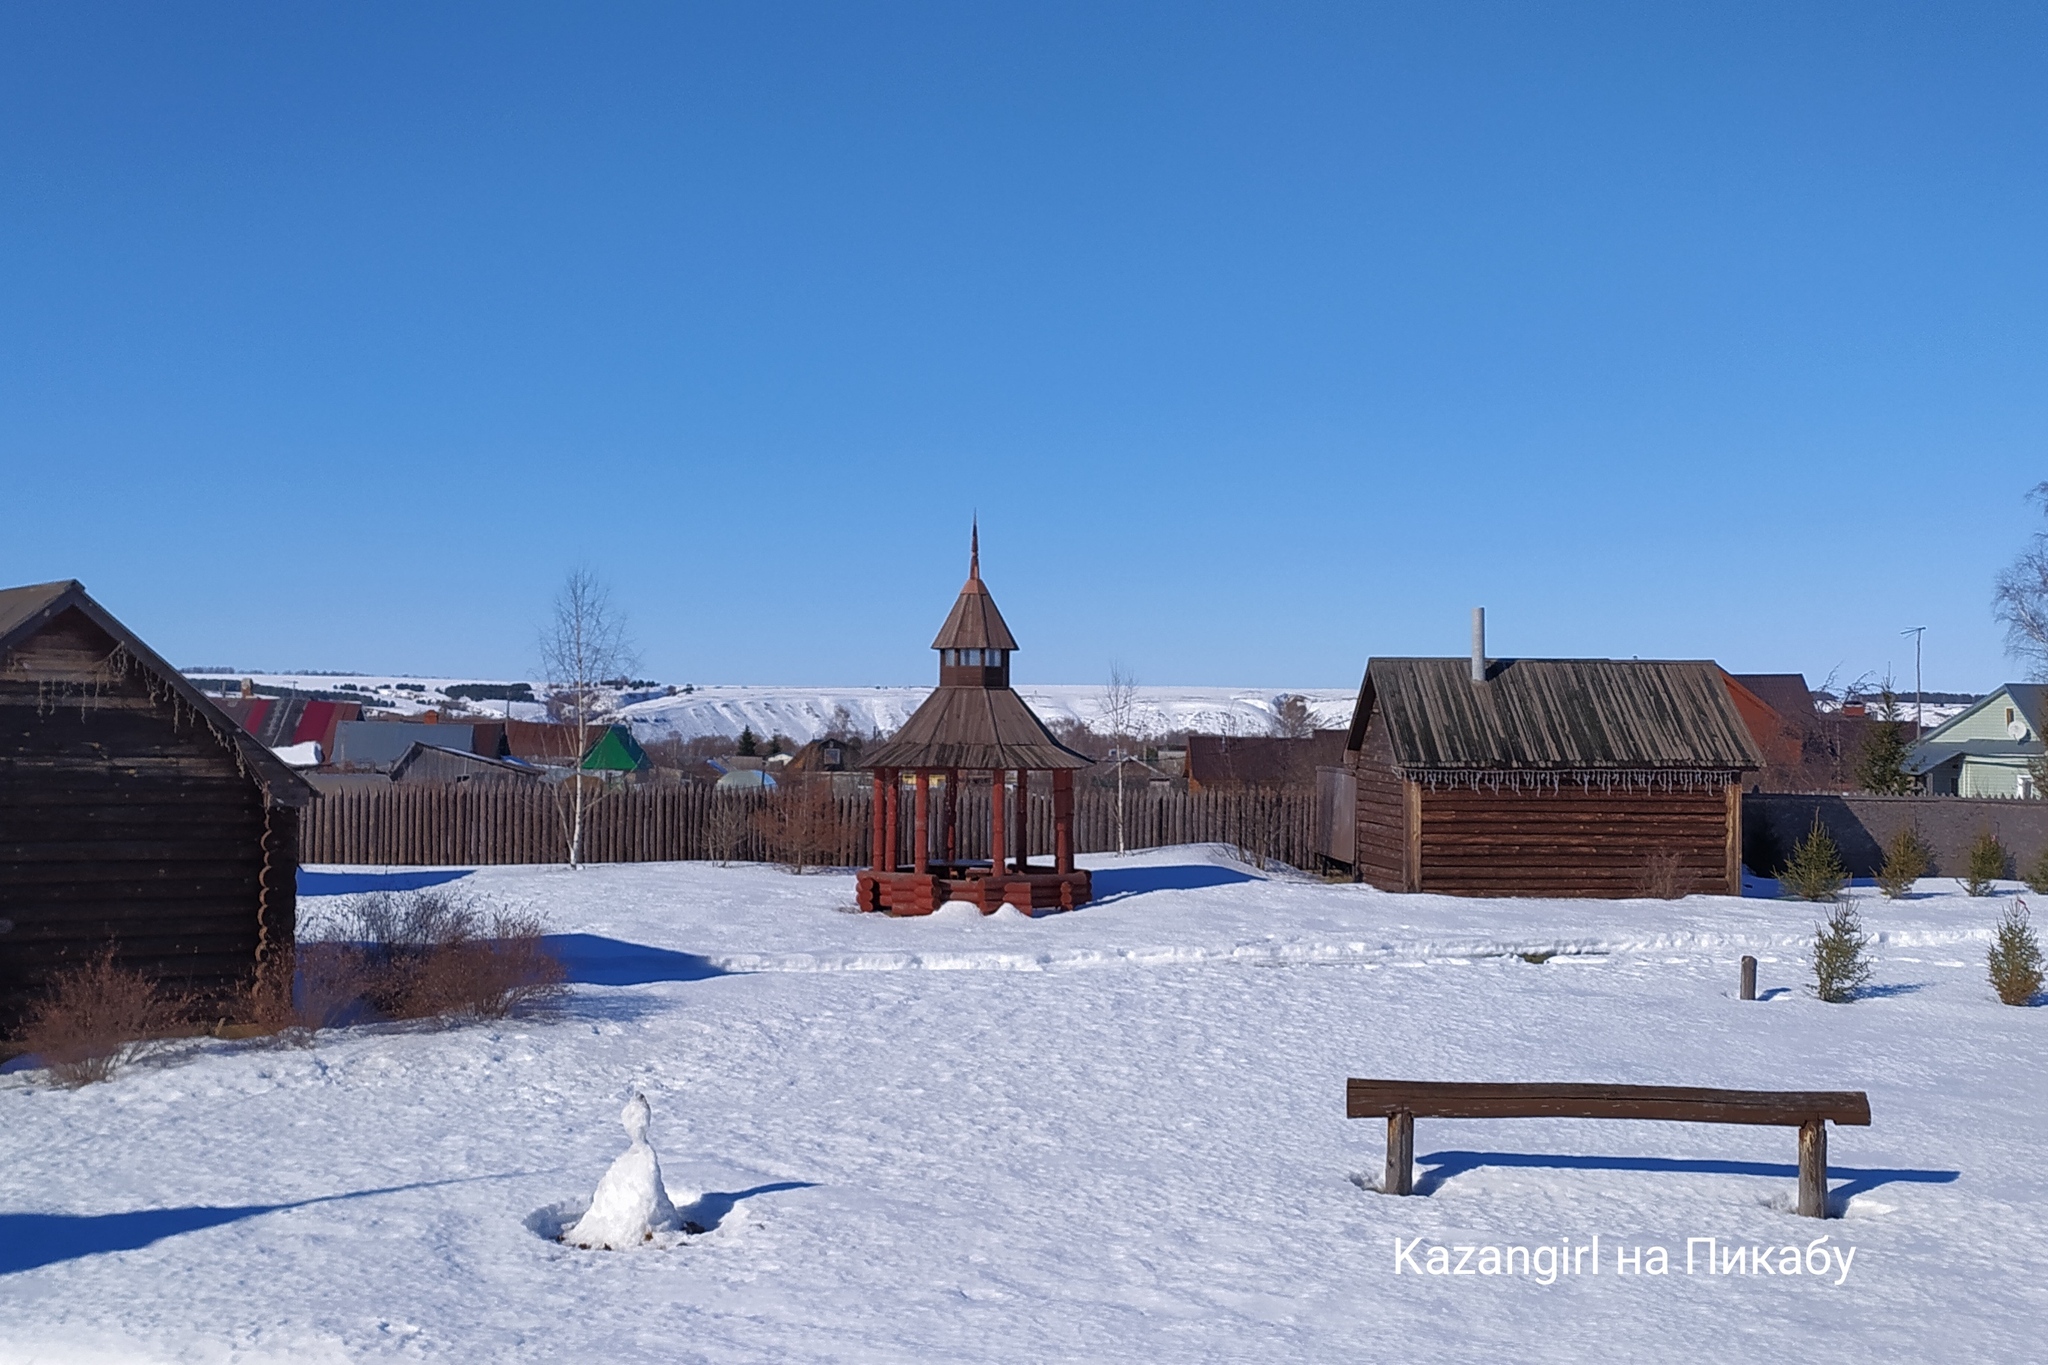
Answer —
972 728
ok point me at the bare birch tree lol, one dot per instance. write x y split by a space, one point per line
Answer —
2019 597
1119 712
583 643
1293 718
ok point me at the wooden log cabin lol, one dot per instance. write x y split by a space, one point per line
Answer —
133 811
1542 777
972 728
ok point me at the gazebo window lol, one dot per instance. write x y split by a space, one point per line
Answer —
973 659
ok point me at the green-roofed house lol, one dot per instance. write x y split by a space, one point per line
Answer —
616 751
1986 750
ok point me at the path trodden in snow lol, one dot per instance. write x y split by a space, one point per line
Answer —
1113 1135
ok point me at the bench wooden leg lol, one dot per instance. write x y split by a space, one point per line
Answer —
1813 1168
1400 1153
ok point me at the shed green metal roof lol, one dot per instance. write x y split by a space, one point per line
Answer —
616 751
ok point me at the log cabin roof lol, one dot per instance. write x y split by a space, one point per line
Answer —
1557 714
1785 693
25 611
974 728
1261 760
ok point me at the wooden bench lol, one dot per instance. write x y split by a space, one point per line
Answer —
1400 1103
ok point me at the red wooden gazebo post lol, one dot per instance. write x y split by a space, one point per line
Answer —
952 817
921 825
880 837
1023 819
997 818
1063 820
895 820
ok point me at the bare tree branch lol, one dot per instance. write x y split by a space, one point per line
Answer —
2019 598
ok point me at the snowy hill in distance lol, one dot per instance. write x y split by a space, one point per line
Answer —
804 713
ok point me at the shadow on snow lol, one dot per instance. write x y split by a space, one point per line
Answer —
29 1241
1445 1166
354 883
710 1208
1114 883
592 960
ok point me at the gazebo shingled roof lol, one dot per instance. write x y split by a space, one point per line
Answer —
974 622
974 728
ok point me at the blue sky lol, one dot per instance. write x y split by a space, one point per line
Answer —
1262 338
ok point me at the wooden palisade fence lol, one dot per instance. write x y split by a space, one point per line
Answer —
468 825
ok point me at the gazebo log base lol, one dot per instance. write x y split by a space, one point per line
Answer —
920 893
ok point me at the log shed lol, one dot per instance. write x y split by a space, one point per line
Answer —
133 812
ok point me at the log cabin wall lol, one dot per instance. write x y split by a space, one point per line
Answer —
1570 841
126 817
1382 845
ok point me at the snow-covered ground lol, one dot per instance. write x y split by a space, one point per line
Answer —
1111 1135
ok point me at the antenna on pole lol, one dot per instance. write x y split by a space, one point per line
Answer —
1919 706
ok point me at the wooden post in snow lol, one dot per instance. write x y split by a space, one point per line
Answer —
1813 1168
1400 1153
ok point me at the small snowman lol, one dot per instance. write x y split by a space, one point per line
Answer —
630 1205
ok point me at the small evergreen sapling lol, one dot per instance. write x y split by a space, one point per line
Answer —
1881 766
1814 872
1841 956
2015 957
2037 873
1986 864
1906 860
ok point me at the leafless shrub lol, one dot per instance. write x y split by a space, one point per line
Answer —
97 1018
799 823
728 819
425 954
1663 877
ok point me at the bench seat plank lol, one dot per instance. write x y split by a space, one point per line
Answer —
1683 1104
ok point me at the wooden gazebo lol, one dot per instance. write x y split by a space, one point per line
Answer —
973 728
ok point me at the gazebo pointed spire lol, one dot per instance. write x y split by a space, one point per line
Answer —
974 623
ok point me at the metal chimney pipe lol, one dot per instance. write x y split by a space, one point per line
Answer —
1479 644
